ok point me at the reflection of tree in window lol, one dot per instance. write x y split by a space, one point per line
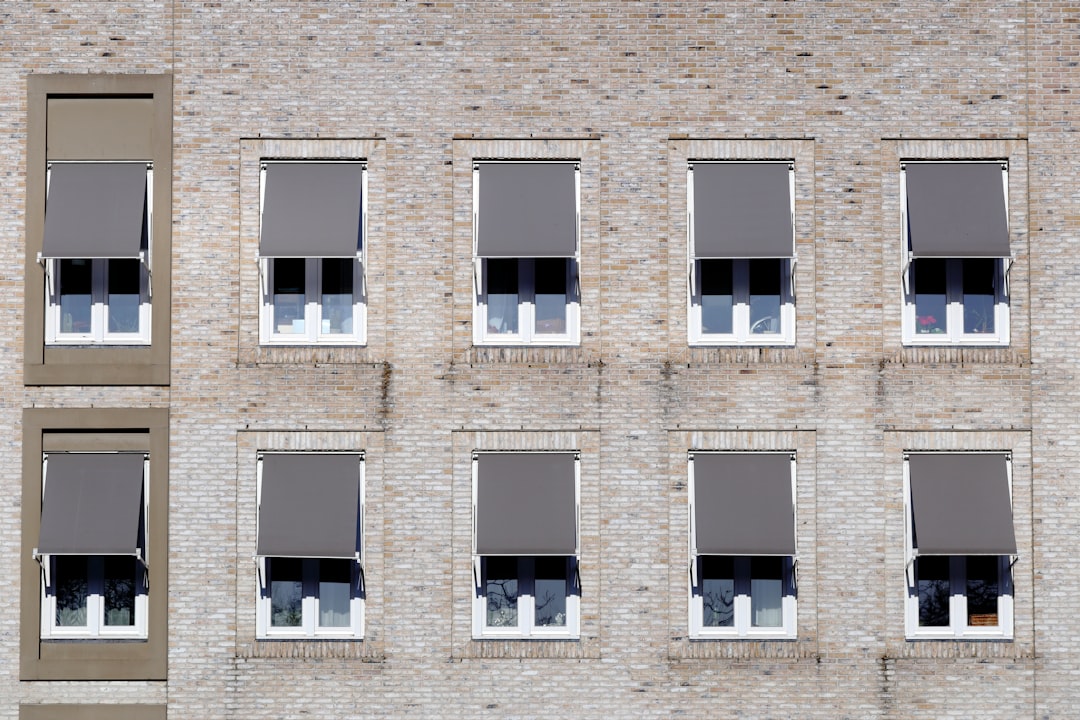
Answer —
286 592
934 589
550 591
718 591
501 591
119 591
72 586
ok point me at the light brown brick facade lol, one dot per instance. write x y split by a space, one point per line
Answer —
631 90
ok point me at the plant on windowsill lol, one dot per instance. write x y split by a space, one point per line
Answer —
928 324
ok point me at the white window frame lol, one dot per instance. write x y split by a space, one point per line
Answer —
313 335
954 309
958 628
95 607
310 611
526 334
526 628
742 331
309 628
99 308
743 627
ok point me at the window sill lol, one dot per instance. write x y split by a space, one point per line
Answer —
313 648
958 355
530 354
717 648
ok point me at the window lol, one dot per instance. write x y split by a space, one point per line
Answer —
98 230
742 545
525 545
92 545
526 253
956 242
309 545
311 251
97 227
742 244
960 545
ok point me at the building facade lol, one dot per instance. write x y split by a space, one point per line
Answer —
516 359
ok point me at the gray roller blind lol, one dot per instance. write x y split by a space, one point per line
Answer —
92 504
527 210
526 504
960 504
742 210
956 210
309 506
743 504
95 210
312 210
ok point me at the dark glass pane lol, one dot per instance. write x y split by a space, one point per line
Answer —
501 591
717 298
502 295
335 592
982 590
717 591
288 295
76 295
71 583
934 588
119 590
929 285
765 283
286 592
551 295
766 591
550 591
979 294
123 295
337 296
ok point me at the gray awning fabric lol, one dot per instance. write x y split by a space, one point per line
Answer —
526 504
956 210
309 506
312 210
95 210
960 504
742 210
527 210
92 504
743 504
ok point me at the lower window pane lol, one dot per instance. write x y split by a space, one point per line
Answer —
288 295
123 295
550 591
982 590
502 296
933 578
551 295
501 591
119 591
335 584
71 581
717 298
765 283
286 592
929 284
717 591
766 591
337 296
978 281
76 283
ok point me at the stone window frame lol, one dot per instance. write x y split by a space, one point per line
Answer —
586 152
467 442
680 152
108 364
253 152
893 153
368 647
83 429
896 444
681 646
